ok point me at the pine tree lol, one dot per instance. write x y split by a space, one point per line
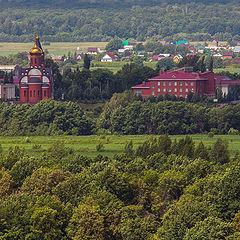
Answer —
86 62
201 152
211 64
128 149
219 153
202 64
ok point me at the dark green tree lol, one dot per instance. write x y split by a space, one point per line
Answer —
86 61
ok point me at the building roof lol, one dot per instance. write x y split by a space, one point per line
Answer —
7 67
110 55
34 80
237 49
36 50
227 54
45 85
143 85
182 42
91 49
225 80
24 85
181 74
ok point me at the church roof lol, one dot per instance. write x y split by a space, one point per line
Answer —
37 49
35 80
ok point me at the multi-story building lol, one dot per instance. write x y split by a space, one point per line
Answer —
36 82
179 83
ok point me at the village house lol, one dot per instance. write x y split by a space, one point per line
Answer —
58 58
217 55
161 56
7 91
227 55
10 68
213 44
224 83
108 57
177 58
93 51
236 49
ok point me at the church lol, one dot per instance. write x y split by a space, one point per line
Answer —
36 82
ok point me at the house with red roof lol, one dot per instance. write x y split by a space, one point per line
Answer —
227 55
160 56
93 51
108 57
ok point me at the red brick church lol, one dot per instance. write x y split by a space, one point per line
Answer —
36 82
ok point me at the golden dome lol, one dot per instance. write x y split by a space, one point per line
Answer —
36 50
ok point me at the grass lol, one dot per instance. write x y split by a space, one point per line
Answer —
228 69
56 48
115 66
113 144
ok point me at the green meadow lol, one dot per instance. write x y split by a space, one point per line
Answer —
56 48
113 144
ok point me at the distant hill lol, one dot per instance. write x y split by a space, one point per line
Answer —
102 3
97 20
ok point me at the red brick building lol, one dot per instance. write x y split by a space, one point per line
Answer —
179 83
36 82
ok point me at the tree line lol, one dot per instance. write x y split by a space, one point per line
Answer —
123 114
162 189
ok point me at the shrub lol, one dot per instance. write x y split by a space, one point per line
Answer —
211 134
36 146
233 131
100 147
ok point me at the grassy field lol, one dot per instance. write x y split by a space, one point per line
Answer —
229 69
115 66
86 145
57 48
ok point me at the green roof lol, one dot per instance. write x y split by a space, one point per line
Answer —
126 43
139 52
182 41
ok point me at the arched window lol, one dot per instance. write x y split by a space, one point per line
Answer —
25 93
34 93
45 93
30 93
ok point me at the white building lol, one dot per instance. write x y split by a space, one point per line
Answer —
7 91
108 57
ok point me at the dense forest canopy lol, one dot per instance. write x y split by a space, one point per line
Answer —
103 20
105 3
161 190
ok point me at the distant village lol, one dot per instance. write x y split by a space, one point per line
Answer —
182 48
126 51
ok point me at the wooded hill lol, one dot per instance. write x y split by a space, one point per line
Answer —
103 3
103 20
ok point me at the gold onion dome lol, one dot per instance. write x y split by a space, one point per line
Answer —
36 50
